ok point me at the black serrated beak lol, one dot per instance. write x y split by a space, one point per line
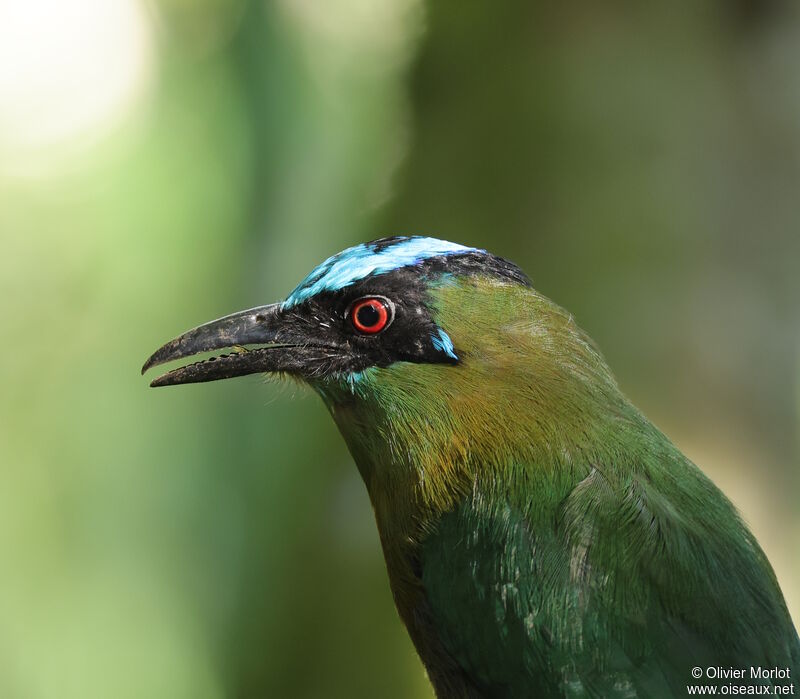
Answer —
281 348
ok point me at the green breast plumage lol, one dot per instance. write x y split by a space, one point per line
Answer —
541 536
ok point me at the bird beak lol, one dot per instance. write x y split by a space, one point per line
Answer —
281 348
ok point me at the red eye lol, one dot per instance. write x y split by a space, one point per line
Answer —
370 315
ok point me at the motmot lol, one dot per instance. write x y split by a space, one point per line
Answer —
542 537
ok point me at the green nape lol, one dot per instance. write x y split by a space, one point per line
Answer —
542 537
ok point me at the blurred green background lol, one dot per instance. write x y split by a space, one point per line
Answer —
163 163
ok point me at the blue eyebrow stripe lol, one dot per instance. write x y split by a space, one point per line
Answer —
360 261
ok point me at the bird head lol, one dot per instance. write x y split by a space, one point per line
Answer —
367 307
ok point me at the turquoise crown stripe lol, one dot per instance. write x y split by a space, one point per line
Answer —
360 261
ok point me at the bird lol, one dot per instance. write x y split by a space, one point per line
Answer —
541 536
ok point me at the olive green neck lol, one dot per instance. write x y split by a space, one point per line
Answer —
530 387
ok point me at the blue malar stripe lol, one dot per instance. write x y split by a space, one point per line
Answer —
356 263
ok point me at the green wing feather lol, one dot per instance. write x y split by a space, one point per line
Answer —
604 585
